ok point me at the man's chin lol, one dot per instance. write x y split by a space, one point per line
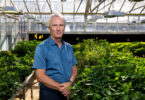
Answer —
59 37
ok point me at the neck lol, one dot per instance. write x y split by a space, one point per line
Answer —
57 40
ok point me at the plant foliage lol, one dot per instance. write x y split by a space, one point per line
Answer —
15 66
107 72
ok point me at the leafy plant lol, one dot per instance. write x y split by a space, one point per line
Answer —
108 73
15 66
137 48
25 47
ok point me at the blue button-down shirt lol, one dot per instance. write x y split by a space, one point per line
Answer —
56 61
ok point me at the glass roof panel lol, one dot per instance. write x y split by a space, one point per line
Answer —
75 10
56 6
82 6
68 6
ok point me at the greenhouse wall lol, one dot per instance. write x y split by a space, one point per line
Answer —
9 32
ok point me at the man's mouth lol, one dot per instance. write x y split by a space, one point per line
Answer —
58 33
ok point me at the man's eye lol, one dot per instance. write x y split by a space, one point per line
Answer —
61 25
54 25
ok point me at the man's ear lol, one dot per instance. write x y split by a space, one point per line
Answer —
48 28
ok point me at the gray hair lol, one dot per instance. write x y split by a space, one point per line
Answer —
55 15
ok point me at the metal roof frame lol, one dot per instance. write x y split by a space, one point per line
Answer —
49 4
38 6
90 7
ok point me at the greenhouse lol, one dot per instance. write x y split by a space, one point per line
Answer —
107 37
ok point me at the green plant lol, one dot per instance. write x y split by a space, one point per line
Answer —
137 48
108 73
15 66
25 47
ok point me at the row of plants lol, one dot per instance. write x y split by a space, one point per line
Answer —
137 48
109 71
15 66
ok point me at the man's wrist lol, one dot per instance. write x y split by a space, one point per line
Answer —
72 83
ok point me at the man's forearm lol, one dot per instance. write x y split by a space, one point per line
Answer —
67 92
74 73
50 83
46 80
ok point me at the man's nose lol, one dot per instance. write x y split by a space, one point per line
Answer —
58 28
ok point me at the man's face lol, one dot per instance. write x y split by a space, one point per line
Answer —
57 27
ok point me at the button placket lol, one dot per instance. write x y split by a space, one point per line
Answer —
61 61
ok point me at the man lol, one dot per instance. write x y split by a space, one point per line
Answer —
55 63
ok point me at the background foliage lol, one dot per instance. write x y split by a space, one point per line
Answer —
107 71
137 48
15 66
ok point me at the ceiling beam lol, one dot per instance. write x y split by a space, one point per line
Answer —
122 5
26 5
69 13
132 7
96 7
12 2
111 4
74 6
88 6
139 7
62 7
91 5
142 10
79 6
49 4
104 6
38 5
14 5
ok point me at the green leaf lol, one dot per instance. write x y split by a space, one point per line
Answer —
117 73
116 78
69 88
96 96
126 97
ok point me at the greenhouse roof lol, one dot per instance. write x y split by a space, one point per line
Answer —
79 10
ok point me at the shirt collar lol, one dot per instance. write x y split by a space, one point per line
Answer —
52 42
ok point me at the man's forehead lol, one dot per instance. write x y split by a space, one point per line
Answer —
57 21
56 17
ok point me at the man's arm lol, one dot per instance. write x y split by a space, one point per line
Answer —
68 84
72 78
74 73
46 80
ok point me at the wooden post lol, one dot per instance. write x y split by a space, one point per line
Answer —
31 90
24 93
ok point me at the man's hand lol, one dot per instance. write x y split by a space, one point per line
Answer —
63 88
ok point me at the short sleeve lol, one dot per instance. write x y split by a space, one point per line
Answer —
39 58
74 61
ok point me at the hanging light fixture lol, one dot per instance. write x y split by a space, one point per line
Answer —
29 16
143 21
113 13
11 10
